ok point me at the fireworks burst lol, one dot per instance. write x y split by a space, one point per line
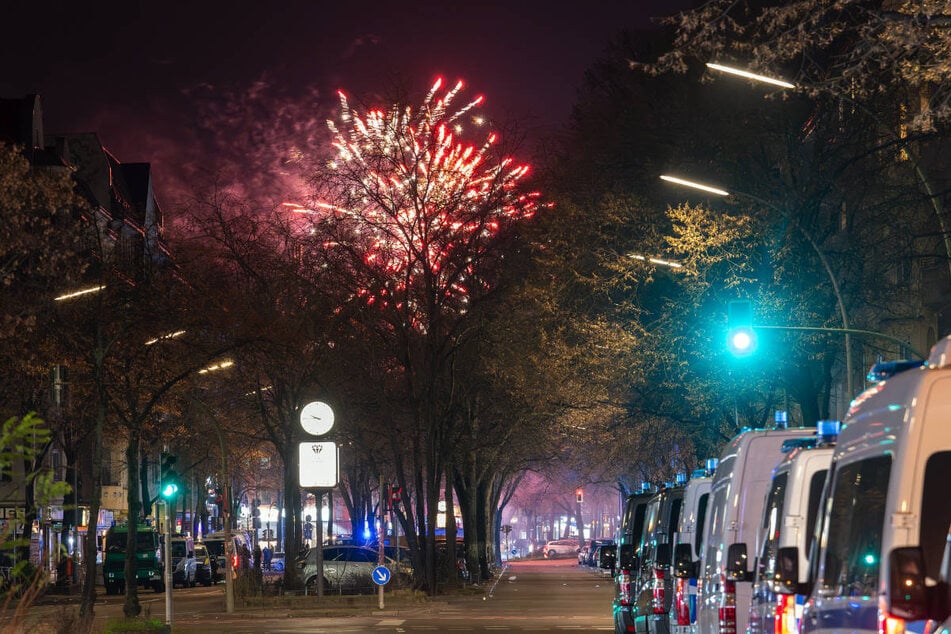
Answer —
419 205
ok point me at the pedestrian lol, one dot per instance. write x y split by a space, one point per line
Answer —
257 556
267 553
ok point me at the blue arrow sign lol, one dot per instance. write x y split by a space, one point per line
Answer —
381 575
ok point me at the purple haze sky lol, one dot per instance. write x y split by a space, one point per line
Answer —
178 83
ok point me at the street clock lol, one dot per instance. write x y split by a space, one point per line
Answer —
317 418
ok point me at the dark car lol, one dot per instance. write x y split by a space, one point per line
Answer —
206 566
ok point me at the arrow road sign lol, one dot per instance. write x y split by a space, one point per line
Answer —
381 575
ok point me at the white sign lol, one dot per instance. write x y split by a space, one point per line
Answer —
319 467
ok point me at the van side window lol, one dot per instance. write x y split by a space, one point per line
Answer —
675 507
772 523
701 519
854 528
812 511
639 513
935 510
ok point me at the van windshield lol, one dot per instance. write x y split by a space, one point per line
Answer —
216 548
179 549
116 542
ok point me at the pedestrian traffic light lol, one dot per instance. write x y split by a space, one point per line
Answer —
169 483
579 495
741 338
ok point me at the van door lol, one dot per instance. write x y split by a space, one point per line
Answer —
846 594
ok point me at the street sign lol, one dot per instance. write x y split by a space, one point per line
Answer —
381 575
319 467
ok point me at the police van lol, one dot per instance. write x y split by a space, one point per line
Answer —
738 493
886 508
688 546
788 527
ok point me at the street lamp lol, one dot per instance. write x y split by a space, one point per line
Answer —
933 197
822 258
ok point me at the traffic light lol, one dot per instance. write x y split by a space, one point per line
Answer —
169 483
579 495
396 496
741 338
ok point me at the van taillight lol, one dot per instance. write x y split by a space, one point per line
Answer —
657 591
728 607
234 561
891 625
681 602
784 621
624 587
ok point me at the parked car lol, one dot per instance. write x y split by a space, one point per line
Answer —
628 543
561 548
183 562
789 519
886 514
688 547
738 494
348 570
206 565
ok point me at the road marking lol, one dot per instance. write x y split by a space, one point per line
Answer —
391 622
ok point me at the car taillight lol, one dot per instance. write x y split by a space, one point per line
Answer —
681 602
728 607
657 591
624 587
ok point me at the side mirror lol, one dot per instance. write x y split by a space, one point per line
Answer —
736 563
607 556
662 556
786 577
625 557
907 595
683 561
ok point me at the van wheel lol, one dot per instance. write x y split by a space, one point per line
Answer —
158 587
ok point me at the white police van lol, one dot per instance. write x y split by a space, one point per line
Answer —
886 508
738 493
688 548
787 531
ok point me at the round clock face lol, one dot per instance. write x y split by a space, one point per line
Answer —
317 418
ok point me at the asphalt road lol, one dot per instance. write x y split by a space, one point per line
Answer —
530 596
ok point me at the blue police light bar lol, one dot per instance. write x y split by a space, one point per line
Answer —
680 478
887 369
711 465
698 473
828 430
645 487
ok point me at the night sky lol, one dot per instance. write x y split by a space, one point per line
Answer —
195 86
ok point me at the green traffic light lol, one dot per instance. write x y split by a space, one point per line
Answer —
169 490
741 341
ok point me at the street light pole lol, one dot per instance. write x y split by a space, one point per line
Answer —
822 258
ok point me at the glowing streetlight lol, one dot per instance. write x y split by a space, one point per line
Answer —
748 75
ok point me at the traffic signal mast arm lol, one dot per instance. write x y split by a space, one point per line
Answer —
848 331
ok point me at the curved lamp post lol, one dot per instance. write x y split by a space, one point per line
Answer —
933 197
822 258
